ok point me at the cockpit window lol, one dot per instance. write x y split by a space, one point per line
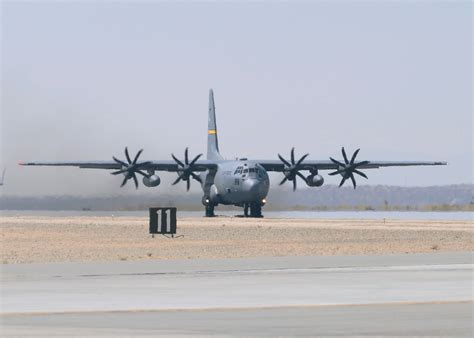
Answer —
244 170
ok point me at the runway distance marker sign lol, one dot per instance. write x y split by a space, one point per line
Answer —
163 221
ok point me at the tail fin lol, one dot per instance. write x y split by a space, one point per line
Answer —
212 142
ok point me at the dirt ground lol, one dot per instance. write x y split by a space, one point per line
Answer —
78 239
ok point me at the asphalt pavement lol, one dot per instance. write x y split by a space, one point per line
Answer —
419 294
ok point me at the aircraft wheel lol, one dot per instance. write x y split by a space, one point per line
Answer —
246 210
256 210
210 210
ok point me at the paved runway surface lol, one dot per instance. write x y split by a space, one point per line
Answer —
382 295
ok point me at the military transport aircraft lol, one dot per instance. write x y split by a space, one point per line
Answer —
240 182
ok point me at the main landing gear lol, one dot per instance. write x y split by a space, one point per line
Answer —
210 210
209 206
250 209
255 210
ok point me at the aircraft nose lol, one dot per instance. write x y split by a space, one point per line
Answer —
255 187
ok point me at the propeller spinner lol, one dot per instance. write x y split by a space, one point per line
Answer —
185 171
292 168
348 168
131 168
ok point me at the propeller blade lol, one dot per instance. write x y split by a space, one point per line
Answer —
135 180
300 175
360 173
131 168
137 156
195 159
337 162
119 172
186 156
344 155
301 160
342 181
142 173
353 181
354 156
177 180
127 155
196 177
340 171
177 161
292 168
185 170
119 162
284 161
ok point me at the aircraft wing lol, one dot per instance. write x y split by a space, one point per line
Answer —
201 165
276 165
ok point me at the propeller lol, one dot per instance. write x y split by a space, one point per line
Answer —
185 171
292 168
348 168
130 168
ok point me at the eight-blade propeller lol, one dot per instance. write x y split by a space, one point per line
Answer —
129 169
348 168
292 168
185 171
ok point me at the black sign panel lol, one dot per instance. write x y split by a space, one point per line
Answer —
163 221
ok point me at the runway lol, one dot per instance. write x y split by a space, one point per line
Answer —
382 295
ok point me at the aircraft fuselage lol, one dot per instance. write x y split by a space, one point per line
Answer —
237 183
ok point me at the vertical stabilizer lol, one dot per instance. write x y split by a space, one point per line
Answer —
212 143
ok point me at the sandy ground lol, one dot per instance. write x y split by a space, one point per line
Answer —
76 239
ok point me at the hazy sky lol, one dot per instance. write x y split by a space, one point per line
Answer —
82 80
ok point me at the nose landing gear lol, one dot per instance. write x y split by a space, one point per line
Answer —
255 210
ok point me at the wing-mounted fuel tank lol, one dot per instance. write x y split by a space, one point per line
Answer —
151 181
315 180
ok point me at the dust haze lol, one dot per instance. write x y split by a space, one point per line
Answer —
80 81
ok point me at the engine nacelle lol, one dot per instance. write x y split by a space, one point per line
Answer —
151 181
315 180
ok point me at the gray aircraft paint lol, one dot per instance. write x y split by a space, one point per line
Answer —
239 182
212 141
229 184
